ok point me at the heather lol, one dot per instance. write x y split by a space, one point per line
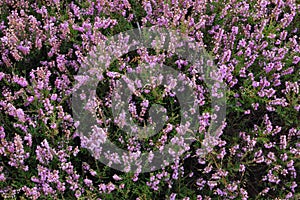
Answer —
255 47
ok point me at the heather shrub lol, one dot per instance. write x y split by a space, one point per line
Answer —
255 48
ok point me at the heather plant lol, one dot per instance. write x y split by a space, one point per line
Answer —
255 48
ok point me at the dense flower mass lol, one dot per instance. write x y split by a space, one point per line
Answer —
255 46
